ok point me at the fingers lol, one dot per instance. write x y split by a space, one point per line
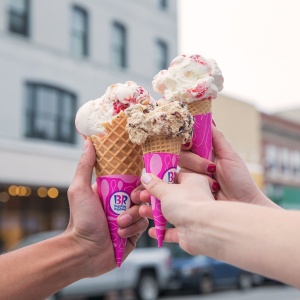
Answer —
187 146
145 197
135 194
161 188
193 180
220 143
134 229
145 211
84 171
81 184
95 188
171 235
129 216
195 163
155 186
131 223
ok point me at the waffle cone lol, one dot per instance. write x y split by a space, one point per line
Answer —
200 107
163 144
115 153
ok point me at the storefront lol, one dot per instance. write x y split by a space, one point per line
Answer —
29 209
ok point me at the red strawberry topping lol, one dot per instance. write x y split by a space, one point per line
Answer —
199 91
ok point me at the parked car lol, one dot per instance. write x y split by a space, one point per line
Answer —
147 271
204 274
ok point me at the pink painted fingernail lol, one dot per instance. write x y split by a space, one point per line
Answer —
215 187
211 168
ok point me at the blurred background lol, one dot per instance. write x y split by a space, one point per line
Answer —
55 55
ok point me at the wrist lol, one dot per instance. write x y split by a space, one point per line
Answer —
80 251
263 200
95 257
79 256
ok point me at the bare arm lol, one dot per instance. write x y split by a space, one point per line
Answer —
39 270
260 239
83 250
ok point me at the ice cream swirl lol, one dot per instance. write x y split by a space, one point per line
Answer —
165 118
189 78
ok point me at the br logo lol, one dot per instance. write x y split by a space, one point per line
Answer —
169 175
119 202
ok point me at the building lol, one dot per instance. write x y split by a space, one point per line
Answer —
269 144
281 157
241 124
289 114
54 56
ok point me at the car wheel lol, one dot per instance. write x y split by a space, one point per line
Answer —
245 281
206 285
147 288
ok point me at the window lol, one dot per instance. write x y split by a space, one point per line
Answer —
161 55
50 113
79 32
271 160
163 4
19 16
118 46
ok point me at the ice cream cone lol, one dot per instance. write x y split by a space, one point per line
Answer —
160 143
118 169
160 155
202 138
115 153
161 128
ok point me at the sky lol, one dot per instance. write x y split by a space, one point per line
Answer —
256 44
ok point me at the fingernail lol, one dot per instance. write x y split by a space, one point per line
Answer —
146 178
214 123
211 168
215 187
187 144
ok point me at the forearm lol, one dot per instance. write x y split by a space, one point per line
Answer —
258 239
39 270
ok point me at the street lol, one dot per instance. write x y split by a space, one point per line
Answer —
274 292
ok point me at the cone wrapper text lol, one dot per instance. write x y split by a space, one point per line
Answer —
114 192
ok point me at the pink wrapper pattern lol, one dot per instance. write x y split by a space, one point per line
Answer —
114 192
164 166
202 138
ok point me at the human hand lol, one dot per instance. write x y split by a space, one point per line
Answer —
88 224
180 204
231 173
189 163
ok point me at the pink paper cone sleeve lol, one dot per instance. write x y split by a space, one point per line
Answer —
202 138
164 166
114 192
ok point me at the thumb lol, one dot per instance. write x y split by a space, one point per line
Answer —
155 186
84 171
221 145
